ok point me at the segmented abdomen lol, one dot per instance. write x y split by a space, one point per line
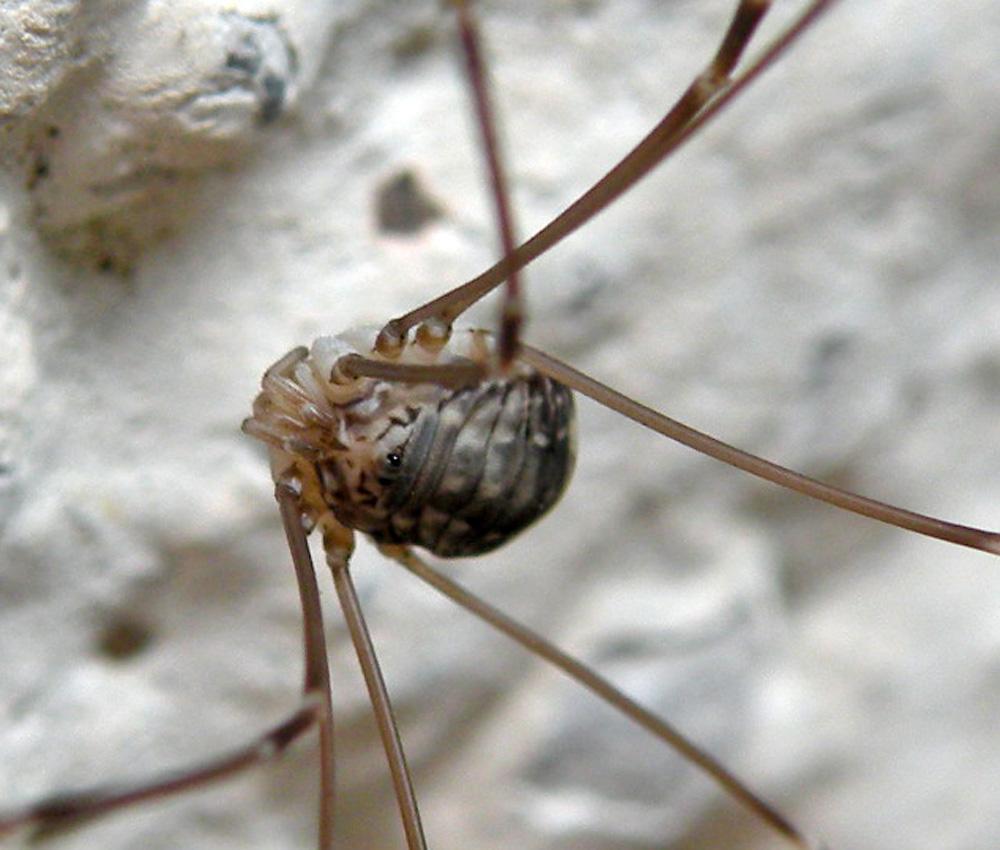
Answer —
461 473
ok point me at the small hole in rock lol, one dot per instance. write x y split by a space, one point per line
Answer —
415 43
404 206
123 637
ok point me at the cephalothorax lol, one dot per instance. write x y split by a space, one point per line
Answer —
457 470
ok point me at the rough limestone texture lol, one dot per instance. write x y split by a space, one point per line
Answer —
194 188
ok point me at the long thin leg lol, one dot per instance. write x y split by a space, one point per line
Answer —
512 310
974 538
316 675
66 810
338 544
538 645
707 95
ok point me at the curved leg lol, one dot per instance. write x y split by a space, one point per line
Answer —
68 809
974 538
72 808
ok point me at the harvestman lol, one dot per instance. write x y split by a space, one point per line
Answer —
382 431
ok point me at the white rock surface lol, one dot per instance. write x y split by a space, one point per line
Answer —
109 106
813 279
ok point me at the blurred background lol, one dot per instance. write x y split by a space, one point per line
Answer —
194 188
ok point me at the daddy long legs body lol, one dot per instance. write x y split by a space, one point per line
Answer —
832 196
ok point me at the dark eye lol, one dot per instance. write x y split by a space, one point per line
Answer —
394 460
